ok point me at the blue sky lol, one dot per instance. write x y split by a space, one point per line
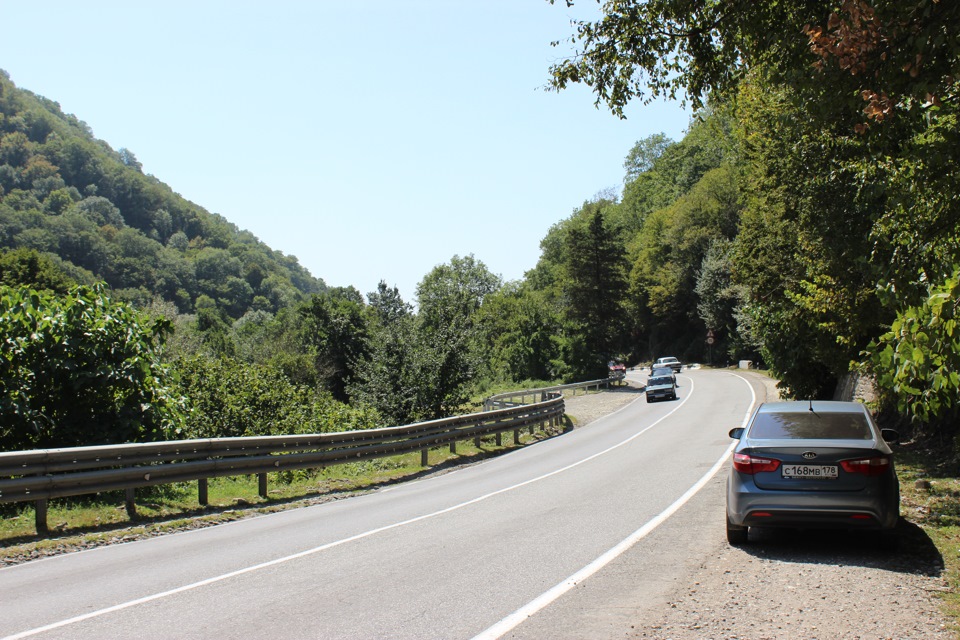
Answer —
373 140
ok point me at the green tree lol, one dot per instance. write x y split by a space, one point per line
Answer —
27 268
450 356
718 302
596 288
888 57
521 327
387 380
806 251
644 154
81 369
335 332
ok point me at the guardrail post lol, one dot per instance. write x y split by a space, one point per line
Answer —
499 438
130 503
453 448
424 457
262 477
40 516
202 496
516 436
476 442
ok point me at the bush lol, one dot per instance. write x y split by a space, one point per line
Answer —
230 398
81 369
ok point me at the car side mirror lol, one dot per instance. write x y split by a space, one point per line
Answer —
736 433
890 435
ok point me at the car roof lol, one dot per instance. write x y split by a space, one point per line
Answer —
822 406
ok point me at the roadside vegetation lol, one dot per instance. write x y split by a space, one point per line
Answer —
930 498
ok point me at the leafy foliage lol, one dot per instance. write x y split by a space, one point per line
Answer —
25 267
918 360
335 334
81 369
845 129
229 398
883 58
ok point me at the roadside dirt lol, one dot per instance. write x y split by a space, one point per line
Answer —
785 585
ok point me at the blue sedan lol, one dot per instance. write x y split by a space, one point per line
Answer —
812 464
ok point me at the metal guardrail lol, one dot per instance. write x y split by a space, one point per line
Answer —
42 474
509 399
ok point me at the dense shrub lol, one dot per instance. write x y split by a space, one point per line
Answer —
81 369
230 398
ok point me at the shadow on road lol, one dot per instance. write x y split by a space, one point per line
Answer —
915 552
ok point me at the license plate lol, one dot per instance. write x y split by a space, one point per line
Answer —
811 471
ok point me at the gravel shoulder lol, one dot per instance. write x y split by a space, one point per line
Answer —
792 585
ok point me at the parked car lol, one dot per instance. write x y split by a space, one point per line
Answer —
661 387
812 465
668 361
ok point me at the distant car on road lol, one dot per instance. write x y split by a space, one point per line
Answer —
668 361
812 465
659 388
659 372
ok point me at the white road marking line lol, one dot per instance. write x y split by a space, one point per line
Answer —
330 545
542 601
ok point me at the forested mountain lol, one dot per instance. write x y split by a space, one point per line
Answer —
70 196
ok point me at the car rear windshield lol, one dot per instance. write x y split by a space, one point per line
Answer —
654 382
810 425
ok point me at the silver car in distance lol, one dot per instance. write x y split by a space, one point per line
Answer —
812 465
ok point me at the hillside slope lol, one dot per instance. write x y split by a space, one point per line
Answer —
71 196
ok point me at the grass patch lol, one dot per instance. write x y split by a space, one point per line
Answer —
85 522
930 498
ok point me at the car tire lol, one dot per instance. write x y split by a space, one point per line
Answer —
736 534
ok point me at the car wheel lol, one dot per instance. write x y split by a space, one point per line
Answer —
736 535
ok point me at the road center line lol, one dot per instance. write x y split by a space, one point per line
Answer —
359 536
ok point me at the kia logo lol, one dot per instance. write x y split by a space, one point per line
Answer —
809 455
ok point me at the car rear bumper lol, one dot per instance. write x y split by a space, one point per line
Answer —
750 507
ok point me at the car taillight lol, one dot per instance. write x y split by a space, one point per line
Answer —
867 466
749 464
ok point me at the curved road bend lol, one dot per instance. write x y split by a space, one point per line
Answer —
574 537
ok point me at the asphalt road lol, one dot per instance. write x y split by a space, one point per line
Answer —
574 537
